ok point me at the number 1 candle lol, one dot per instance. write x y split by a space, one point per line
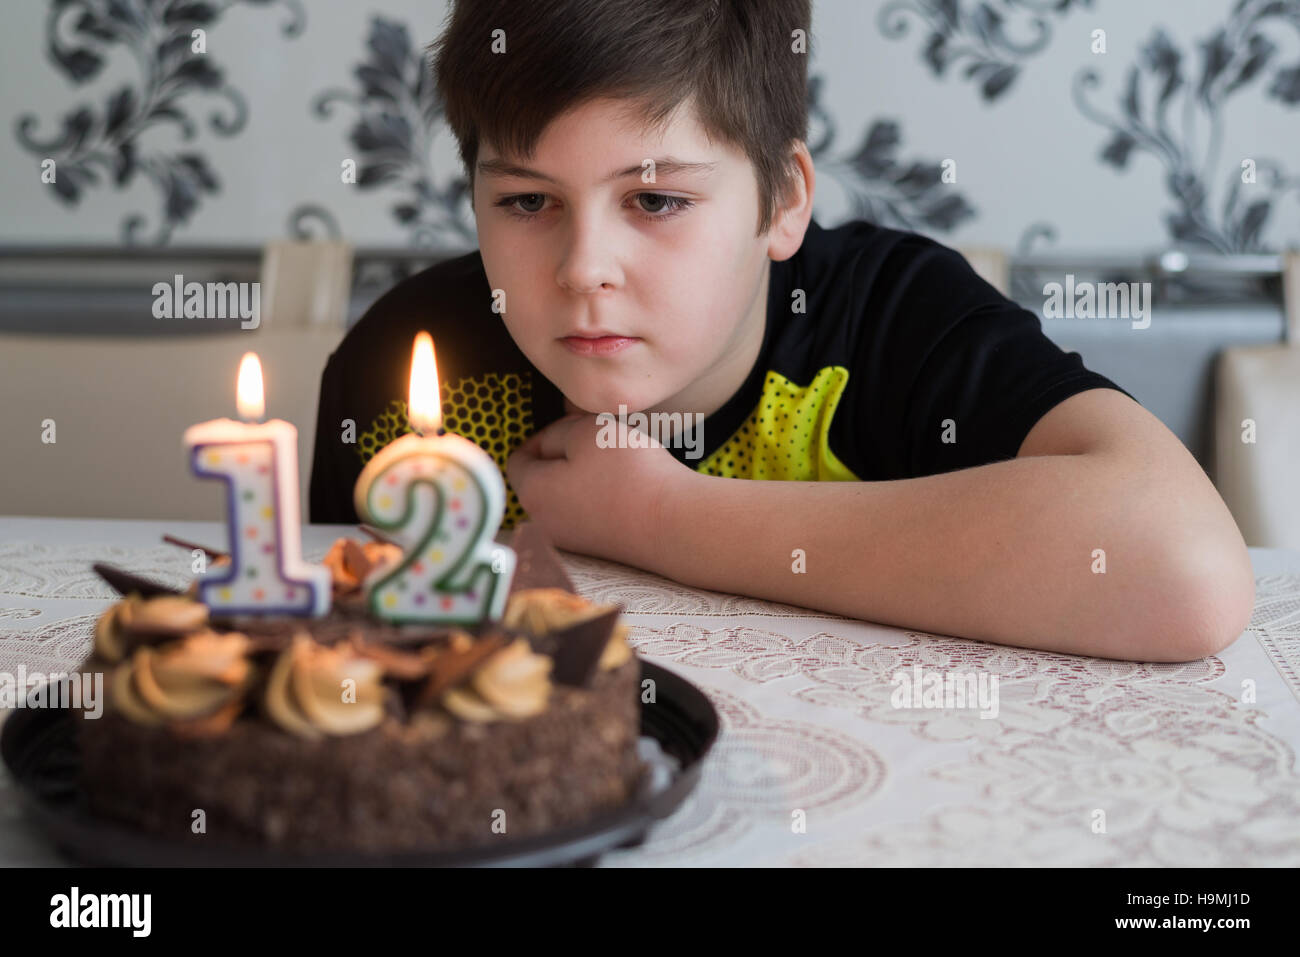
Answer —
258 461
441 498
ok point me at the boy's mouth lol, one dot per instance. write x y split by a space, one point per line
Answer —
598 345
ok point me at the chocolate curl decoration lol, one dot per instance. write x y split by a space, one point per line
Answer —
579 647
212 553
377 535
576 649
537 564
123 582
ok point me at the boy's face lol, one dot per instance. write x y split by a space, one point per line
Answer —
673 265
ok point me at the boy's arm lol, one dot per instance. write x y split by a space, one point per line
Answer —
1006 552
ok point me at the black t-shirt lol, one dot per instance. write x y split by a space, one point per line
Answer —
884 356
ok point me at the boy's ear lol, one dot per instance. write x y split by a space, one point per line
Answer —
795 211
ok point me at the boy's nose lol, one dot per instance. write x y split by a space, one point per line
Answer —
588 264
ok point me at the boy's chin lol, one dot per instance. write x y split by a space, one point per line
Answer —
597 401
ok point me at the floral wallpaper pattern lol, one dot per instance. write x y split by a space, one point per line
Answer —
399 113
1238 57
1172 104
113 141
985 39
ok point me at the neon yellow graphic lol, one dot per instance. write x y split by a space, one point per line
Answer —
787 438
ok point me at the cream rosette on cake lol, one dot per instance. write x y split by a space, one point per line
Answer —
314 690
134 618
196 683
512 683
544 610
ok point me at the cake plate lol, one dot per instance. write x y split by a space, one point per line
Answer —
39 749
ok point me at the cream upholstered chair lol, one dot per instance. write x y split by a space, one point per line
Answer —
120 404
991 264
1257 429
306 283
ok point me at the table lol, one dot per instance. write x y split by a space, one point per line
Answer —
1087 761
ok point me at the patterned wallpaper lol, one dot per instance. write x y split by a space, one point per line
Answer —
1072 124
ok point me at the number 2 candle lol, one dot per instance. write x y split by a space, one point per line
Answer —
441 498
258 461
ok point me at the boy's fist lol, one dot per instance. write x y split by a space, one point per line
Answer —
604 502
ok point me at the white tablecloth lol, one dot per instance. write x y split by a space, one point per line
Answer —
1088 761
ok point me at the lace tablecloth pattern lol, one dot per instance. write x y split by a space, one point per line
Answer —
1086 761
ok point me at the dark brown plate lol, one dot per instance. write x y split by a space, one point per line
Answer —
39 749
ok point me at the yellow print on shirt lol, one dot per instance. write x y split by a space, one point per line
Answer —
787 437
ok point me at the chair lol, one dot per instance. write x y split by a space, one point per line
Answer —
1257 429
990 264
121 403
306 283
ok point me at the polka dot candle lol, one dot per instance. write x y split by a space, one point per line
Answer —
441 498
259 464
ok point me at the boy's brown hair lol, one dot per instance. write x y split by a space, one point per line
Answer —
736 58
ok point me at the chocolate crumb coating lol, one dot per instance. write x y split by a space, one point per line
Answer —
425 784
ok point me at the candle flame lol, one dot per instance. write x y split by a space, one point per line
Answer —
249 393
424 410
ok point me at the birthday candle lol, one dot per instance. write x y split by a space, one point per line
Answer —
258 461
441 498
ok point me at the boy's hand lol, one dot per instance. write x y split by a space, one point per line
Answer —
604 502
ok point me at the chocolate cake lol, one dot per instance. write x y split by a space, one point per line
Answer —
345 733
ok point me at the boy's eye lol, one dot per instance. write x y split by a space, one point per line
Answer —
658 201
529 197
652 206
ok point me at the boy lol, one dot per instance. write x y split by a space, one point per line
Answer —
643 197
